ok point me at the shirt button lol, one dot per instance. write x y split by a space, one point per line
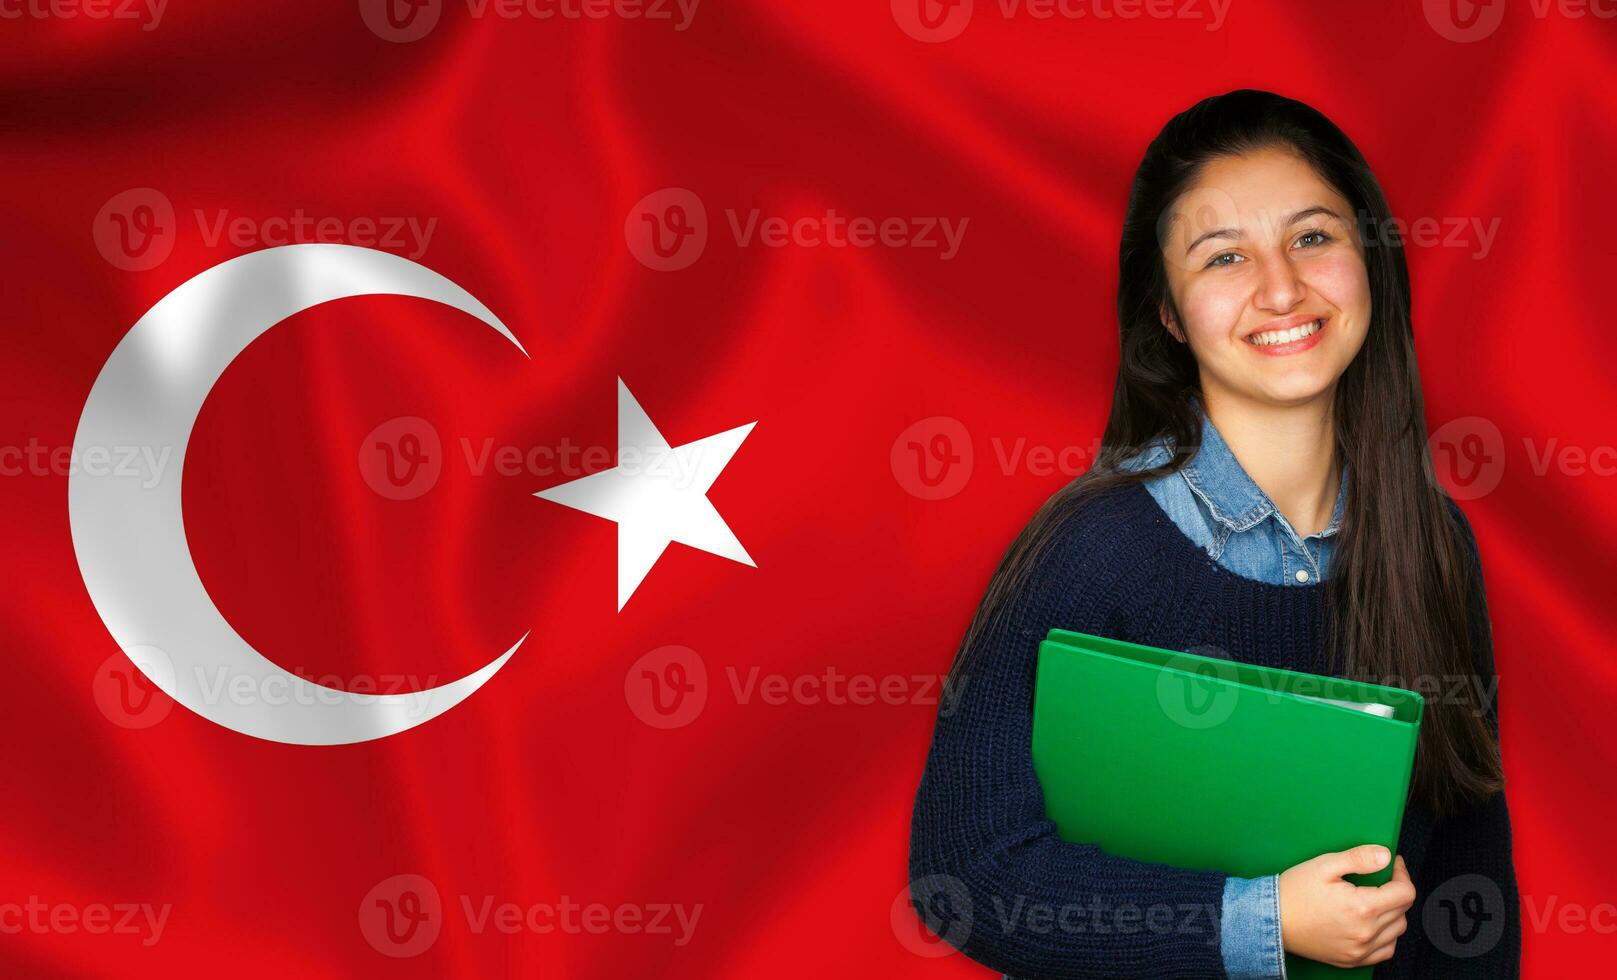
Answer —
1302 574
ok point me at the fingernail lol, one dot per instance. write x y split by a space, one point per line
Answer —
1381 857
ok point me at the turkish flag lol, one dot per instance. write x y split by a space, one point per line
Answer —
841 276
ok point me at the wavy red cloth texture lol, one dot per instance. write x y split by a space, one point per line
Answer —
915 401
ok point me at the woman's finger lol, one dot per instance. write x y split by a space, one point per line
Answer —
1389 933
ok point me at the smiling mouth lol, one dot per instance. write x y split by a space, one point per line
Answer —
1286 338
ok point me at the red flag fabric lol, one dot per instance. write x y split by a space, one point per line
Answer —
886 234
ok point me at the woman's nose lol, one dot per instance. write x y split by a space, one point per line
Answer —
1279 287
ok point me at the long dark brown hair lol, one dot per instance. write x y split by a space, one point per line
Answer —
1397 596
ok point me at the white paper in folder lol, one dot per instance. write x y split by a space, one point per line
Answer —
1369 707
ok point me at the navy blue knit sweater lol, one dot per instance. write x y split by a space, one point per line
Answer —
988 871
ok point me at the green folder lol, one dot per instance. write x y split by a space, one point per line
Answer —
1213 765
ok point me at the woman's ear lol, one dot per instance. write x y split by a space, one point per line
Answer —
1170 322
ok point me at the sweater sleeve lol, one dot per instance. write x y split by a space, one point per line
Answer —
990 875
1470 909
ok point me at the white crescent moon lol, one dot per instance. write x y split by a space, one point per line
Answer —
129 534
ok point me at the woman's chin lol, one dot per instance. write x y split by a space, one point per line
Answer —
1298 388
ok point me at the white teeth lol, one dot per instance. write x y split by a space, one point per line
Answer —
1273 337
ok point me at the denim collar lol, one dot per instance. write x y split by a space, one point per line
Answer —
1216 476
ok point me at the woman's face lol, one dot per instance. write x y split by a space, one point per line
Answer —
1267 272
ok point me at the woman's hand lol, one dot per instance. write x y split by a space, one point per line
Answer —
1334 921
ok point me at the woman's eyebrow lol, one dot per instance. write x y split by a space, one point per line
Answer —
1214 233
1234 233
1311 212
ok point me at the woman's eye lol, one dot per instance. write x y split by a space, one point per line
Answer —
1223 258
1312 238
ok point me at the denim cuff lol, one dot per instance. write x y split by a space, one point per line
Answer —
1250 940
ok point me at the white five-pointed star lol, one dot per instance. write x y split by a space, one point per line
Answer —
656 494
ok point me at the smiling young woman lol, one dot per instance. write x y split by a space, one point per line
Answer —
1263 489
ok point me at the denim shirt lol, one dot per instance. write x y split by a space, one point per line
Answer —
1217 506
